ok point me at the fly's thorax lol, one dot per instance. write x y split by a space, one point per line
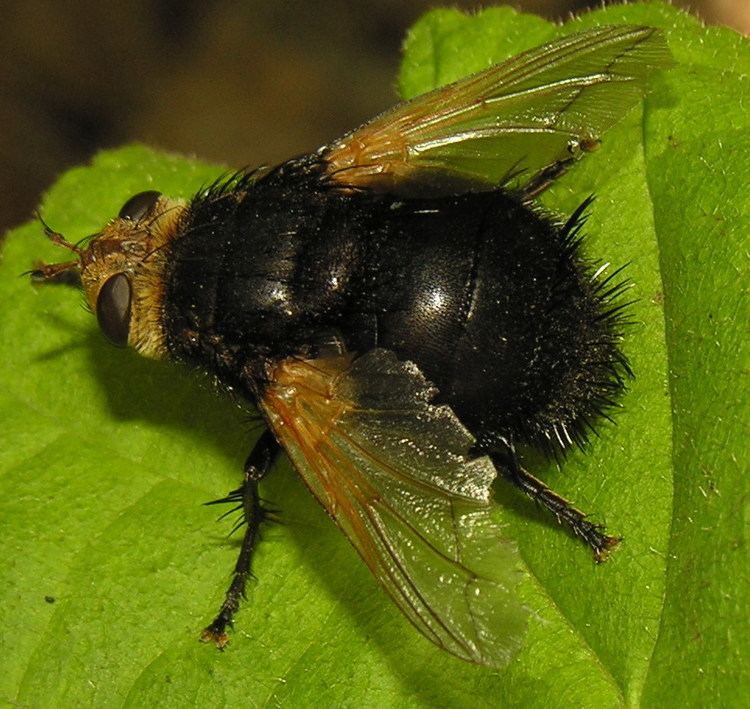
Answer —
122 272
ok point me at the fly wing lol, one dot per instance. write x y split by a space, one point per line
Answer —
539 109
396 474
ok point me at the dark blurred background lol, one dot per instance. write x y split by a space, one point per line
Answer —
234 82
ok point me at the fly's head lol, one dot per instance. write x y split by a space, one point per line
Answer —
122 271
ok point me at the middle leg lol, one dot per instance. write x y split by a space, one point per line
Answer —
258 463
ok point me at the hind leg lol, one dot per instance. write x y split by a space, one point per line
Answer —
593 534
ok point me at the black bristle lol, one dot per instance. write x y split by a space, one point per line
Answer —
591 302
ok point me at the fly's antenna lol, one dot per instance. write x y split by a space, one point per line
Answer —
54 271
57 238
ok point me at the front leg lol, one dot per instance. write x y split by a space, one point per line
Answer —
258 463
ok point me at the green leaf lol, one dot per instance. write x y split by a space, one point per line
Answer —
105 458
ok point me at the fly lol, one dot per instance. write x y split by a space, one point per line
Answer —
405 318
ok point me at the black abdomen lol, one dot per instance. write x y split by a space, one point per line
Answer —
488 297
494 303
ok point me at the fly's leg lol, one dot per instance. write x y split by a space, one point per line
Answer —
544 178
258 463
547 175
566 513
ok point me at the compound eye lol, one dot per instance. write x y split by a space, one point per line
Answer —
139 205
113 309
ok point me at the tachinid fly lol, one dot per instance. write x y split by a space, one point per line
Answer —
404 318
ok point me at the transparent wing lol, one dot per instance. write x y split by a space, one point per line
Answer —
540 108
396 474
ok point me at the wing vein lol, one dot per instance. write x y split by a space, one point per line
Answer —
398 477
